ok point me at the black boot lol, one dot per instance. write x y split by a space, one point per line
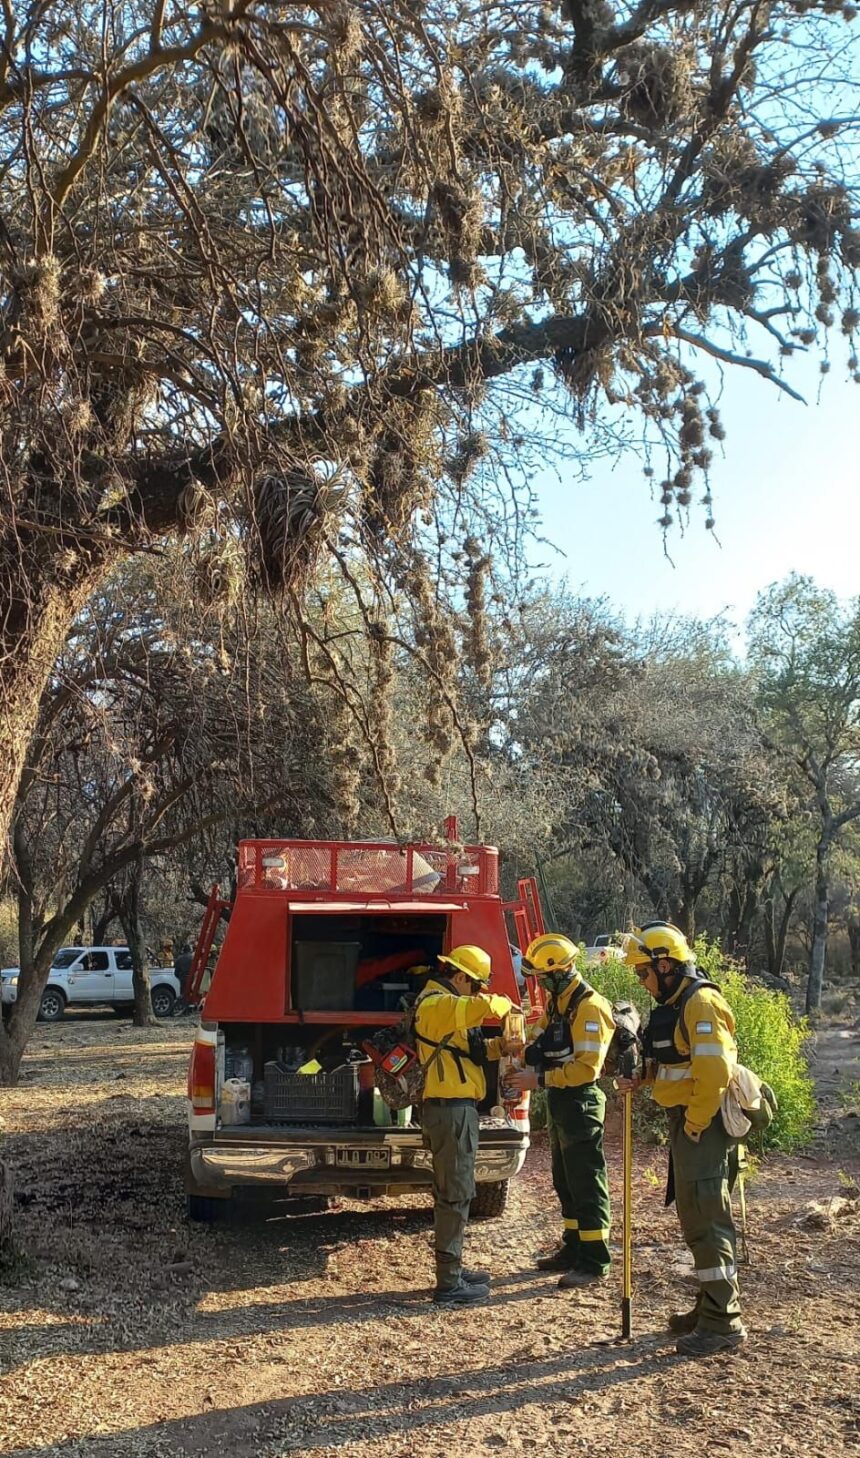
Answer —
684 1321
563 1259
571 1279
701 1343
460 1295
475 1278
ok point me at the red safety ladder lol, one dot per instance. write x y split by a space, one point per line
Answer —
211 917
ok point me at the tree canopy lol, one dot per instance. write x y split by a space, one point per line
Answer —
806 647
307 283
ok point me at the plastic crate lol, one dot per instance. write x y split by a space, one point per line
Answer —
316 1098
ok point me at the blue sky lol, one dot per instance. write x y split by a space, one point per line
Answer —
785 499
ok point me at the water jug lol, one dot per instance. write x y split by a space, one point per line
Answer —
236 1101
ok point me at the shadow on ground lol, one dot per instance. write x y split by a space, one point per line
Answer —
331 1419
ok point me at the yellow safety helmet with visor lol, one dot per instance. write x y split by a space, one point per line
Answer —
473 961
549 955
647 945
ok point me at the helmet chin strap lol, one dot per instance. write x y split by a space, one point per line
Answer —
667 983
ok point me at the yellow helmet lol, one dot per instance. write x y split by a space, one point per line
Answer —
656 939
471 960
550 953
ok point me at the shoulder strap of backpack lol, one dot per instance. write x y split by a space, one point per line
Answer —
695 986
440 1047
579 995
443 1046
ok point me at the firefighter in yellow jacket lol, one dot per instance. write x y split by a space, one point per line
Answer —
453 1050
567 1050
690 1058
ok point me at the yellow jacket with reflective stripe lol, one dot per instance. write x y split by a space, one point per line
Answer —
592 1027
710 1052
441 1012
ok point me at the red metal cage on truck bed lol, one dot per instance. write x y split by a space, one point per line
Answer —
369 875
367 868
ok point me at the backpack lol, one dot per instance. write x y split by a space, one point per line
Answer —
748 1104
626 1046
398 1072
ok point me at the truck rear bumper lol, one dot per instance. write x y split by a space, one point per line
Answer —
335 1162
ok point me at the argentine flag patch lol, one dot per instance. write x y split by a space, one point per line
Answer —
704 1027
592 1027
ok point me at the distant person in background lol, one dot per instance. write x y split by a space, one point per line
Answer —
165 955
182 972
517 959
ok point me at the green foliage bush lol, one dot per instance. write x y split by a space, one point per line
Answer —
618 983
770 1041
537 1109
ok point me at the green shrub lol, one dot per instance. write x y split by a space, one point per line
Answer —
618 983
537 1109
770 1041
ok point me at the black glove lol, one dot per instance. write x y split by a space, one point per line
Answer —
477 1046
533 1055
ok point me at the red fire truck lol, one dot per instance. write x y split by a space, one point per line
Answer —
320 951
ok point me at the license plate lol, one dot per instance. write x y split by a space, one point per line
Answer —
346 1158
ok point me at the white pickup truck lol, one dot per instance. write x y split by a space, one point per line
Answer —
605 949
82 975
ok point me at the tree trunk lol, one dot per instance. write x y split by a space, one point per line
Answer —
44 582
10 1059
818 950
776 929
42 596
683 915
16 1033
102 925
854 943
733 919
745 925
34 961
129 915
6 1201
782 941
744 901
143 1016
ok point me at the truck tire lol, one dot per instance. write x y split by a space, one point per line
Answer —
162 999
52 1006
490 1200
207 1211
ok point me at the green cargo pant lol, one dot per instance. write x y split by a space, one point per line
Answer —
704 1175
450 1128
575 1119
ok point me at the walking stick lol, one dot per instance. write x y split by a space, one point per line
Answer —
742 1201
627 1270
626 1062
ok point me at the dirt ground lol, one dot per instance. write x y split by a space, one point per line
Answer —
127 1331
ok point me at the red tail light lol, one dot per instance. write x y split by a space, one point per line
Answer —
201 1078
